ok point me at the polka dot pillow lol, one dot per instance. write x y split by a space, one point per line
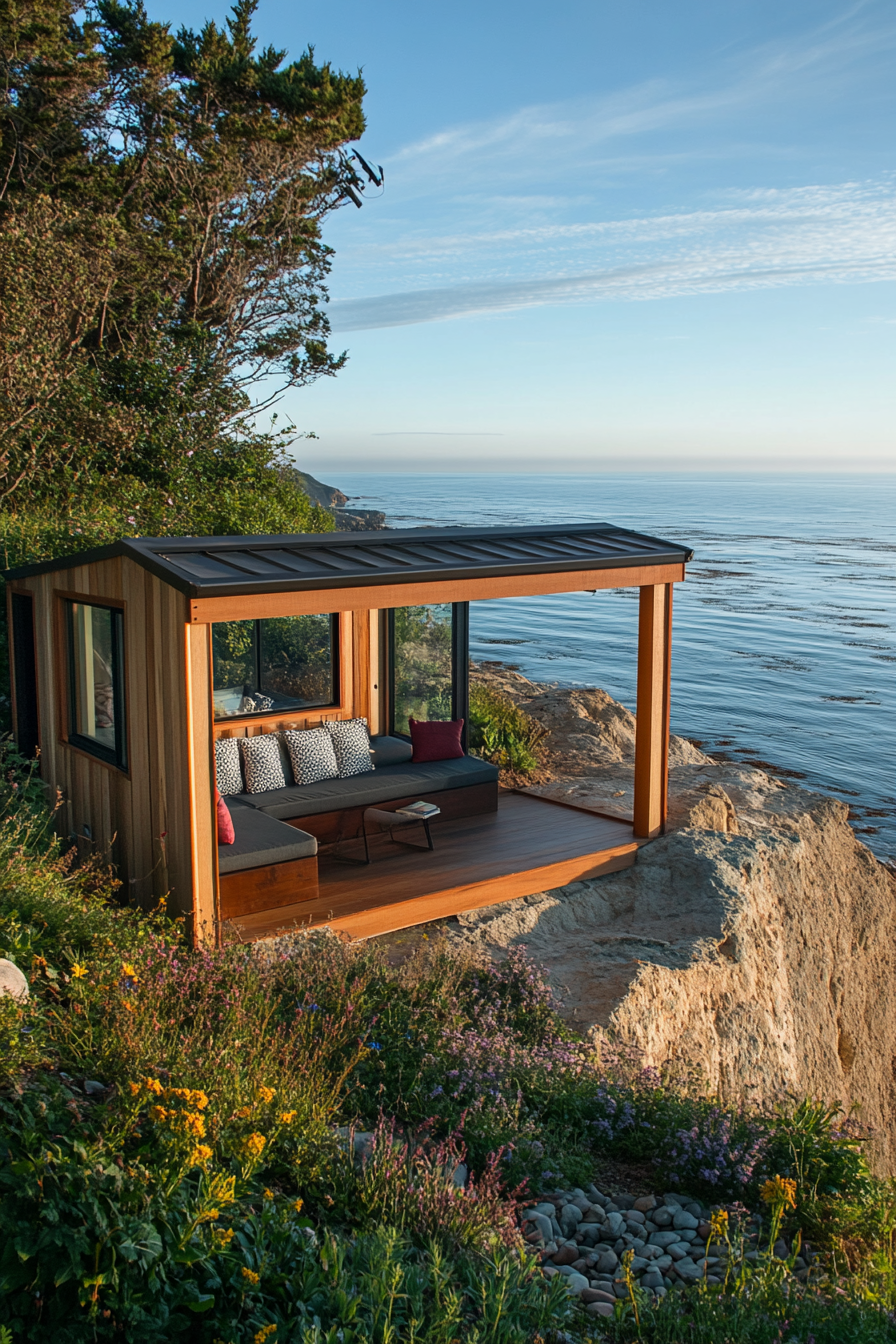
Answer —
351 743
228 775
311 755
262 766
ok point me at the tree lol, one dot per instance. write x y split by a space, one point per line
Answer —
161 200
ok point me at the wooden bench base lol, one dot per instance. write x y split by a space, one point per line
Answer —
267 888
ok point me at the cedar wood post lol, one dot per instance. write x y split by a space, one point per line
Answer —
652 731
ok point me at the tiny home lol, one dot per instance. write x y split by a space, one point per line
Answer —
319 685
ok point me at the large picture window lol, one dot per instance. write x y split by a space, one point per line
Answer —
96 681
429 663
285 663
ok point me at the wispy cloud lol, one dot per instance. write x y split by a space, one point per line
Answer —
812 235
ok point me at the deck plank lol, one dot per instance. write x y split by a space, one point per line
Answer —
530 844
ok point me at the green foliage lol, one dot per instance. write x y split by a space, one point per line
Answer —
207 1192
502 732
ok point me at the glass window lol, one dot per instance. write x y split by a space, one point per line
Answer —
263 667
421 655
96 686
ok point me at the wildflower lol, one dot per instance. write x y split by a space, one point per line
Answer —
159 1114
78 971
263 1333
255 1144
243 1113
250 1275
267 1194
779 1190
223 1235
200 1154
193 1124
719 1223
153 1085
299 1205
266 1095
287 1117
135 1089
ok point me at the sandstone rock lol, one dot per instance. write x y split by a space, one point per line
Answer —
13 983
645 1205
761 960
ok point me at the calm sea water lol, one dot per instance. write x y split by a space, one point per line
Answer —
784 633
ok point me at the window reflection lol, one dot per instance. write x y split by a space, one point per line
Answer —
287 662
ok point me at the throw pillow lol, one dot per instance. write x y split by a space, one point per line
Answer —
228 775
312 755
436 741
261 763
351 743
226 835
390 751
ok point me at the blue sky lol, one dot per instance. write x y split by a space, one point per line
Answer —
611 235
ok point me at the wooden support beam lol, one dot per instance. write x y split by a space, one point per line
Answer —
652 732
201 758
259 606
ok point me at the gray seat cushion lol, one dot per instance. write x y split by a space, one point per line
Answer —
378 786
390 751
261 840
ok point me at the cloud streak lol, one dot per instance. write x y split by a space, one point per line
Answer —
844 234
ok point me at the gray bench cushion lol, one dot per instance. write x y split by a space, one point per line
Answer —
379 786
261 840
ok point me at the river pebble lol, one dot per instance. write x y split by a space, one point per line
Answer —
582 1235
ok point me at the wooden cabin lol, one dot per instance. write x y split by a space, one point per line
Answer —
142 670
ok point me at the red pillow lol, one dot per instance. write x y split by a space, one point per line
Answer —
225 821
436 741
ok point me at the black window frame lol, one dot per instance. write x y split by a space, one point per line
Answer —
460 667
117 756
284 711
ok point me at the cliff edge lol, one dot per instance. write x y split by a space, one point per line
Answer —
751 947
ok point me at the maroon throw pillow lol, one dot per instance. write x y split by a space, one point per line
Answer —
436 741
226 834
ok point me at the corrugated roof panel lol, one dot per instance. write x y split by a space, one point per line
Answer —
222 566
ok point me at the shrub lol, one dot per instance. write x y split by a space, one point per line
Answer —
501 732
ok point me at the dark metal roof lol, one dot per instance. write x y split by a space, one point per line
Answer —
226 566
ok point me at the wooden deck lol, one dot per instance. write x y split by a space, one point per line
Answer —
529 845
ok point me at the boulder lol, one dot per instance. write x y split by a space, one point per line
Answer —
13 984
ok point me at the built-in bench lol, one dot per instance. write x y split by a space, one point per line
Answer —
266 867
269 863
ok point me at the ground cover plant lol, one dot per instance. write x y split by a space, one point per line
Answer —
241 1146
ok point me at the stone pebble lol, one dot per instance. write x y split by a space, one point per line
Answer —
583 1235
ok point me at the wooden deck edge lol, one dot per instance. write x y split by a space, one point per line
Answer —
438 904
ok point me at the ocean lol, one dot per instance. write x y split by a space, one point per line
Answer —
784 634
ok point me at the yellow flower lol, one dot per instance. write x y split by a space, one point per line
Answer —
153 1085
298 1206
223 1235
159 1114
779 1190
135 1089
268 1194
287 1117
193 1124
251 1276
719 1223
189 1095
243 1113
78 971
255 1144
263 1334
128 972
200 1155
266 1095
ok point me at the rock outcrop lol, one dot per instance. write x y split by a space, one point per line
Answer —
751 947
334 501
